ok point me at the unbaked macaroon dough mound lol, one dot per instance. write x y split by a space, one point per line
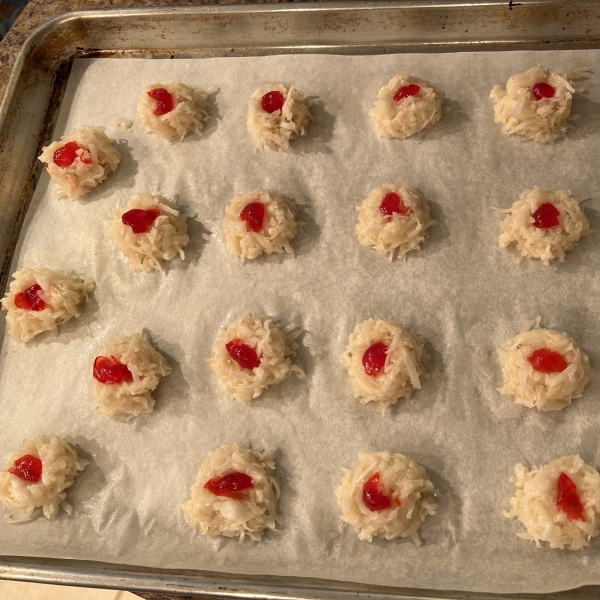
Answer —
405 106
125 373
264 352
42 469
386 494
563 511
176 111
248 234
277 114
395 358
40 300
536 104
555 381
162 231
524 225
80 160
223 503
387 230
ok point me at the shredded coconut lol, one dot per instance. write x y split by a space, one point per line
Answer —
388 234
147 367
218 515
412 114
401 479
534 503
96 149
544 120
544 243
188 114
280 225
274 345
163 241
63 292
406 362
60 466
282 126
545 391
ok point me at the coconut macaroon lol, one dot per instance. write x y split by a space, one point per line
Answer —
40 300
393 218
558 503
252 354
277 114
405 106
386 494
543 368
172 110
125 374
37 475
235 493
385 361
536 104
544 224
260 221
150 230
80 161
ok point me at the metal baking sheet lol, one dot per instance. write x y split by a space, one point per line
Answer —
35 92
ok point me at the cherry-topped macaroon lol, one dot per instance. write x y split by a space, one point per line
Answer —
406 91
393 203
567 499
374 498
30 299
27 468
542 90
232 485
253 215
272 101
244 355
140 220
373 359
66 156
164 101
547 361
546 216
110 371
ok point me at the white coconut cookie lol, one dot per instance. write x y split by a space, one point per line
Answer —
150 230
536 104
385 362
172 110
37 475
260 221
80 161
386 494
405 106
543 368
558 503
235 493
252 354
393 218
277 115
125 374
40 300
544 224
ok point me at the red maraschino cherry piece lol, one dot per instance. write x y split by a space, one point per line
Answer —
567 499
373 359
546 216
110 371
164 101
547 361
373 497
28 468
405 91
272 101
67 154
393 203
542 90
253 215
244 355
30 299
140 220
232 485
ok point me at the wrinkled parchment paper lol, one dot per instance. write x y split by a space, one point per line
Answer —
461 292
